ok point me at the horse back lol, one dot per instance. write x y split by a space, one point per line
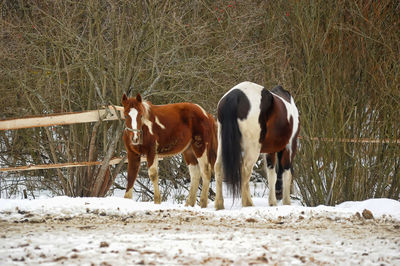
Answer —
181 116
280 91
183 124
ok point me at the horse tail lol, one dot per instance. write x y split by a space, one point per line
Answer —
230 137
278 184
213 145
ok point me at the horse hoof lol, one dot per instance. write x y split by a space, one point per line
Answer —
272 201
189 203
247 202
286 202
203 204
128 194
157 201
219 206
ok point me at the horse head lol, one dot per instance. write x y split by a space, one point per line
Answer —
133 111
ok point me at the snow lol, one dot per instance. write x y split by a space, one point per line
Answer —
38 232
59 207
379 207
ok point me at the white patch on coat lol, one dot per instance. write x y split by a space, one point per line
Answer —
250 127
146 120
194 171
159 123
149 125
204 164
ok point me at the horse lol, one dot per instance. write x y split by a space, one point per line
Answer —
165 130
252 120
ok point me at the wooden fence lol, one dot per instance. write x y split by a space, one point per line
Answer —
352 140
107 114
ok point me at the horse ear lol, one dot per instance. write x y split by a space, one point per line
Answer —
124 99
139 98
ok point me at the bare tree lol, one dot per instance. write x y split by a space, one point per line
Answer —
340 60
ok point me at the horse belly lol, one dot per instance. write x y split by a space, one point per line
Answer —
170 145
276 138
273 144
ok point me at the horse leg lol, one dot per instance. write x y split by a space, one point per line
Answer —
245 187
133 168
152 163
286 165
271 174
249 160
218 171
205 169
194 171
287 180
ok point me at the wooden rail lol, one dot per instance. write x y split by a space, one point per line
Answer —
113 161
63 118
352 140
56 165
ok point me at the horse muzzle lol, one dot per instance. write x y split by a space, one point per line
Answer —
136 140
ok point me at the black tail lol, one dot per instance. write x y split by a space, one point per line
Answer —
232 107
279 170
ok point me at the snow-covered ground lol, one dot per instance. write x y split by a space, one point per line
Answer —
117 231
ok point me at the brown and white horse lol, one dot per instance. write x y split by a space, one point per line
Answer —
253 120
166 130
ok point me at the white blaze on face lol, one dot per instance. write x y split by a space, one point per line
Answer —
133 114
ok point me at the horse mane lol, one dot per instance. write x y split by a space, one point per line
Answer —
280 91
147 108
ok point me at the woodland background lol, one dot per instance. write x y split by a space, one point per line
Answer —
339 59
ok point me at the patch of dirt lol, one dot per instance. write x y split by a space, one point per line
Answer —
191 238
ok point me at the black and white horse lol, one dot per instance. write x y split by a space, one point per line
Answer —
253 120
